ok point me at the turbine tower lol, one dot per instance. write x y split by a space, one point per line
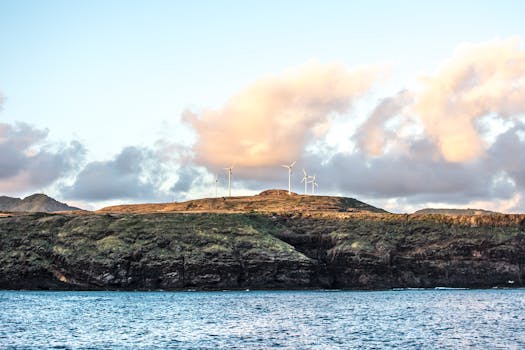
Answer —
229 180
314 184
289 176
305 180
216 183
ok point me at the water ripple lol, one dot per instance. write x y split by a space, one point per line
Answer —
429 319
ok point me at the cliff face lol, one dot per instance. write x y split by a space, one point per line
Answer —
150 251
409 251
230 251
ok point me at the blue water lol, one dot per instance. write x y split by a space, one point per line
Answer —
423 319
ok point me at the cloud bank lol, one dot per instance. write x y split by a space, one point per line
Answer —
134 173
479 80
28 162
271 121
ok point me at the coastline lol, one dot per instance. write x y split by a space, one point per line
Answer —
258 251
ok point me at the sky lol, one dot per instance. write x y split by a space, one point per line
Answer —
403 105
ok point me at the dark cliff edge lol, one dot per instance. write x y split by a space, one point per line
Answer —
215 251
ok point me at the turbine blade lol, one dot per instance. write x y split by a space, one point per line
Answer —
293 163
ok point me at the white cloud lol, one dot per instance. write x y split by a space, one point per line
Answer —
271 121
479 79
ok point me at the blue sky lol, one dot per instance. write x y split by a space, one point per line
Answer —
117 74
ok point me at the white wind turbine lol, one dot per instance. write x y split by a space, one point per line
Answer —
314 184
305 180
229 180
289 176
216 183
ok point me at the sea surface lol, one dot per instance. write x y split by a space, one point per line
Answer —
404 319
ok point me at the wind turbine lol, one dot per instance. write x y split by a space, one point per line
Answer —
305 180
289 176
313 183
216 182
229 180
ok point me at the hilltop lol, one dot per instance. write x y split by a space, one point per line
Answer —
269 201
37 202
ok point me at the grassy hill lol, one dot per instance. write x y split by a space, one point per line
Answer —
276 201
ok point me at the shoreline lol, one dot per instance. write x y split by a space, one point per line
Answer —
210 251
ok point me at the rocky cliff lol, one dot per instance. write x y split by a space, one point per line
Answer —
260 250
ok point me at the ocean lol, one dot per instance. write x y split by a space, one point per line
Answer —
402 319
